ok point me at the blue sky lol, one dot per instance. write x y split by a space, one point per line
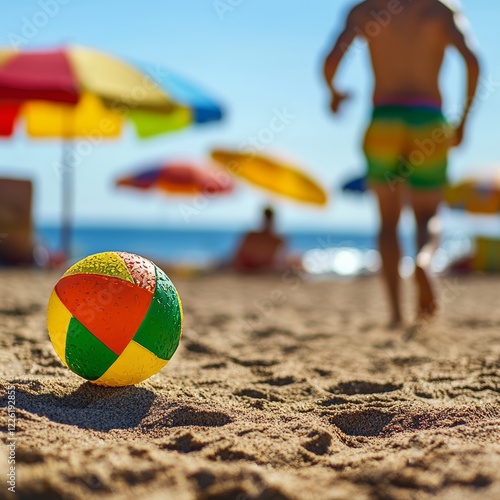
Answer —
256 57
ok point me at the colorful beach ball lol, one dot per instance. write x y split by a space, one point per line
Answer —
115 318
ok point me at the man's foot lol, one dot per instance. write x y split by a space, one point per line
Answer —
415 329
427 304
396 323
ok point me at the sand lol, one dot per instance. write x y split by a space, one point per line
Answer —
282 388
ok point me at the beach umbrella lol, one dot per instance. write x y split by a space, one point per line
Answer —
178 178
77 93
477 195
272 175
357 185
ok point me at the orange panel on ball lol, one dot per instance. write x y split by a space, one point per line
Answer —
112 309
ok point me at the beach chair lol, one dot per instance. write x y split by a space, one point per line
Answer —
16 226
487 257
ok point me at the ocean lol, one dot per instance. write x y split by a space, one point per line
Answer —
199 247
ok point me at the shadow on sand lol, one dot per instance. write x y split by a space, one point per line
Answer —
90 406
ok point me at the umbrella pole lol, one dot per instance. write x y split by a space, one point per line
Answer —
67 184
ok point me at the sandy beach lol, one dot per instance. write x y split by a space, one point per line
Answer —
282 388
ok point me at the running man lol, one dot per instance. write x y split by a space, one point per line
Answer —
407 142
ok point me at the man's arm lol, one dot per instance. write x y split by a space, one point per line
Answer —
333 59
459 38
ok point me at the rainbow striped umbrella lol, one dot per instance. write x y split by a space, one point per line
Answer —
479 194
178 178
77 92
357 185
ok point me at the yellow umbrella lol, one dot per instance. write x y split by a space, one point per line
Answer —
273 176
478 195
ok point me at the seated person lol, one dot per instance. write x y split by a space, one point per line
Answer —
261 250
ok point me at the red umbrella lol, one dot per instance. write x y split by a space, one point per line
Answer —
180 178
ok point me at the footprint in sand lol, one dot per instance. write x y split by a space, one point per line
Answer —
334 402
185 443
318 442
21 311
264 333
258 394
368 423
362 387
280 381
186 416
197 347
441 418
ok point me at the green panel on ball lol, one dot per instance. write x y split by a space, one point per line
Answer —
160 331
86 355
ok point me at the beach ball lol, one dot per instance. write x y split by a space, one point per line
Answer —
115 318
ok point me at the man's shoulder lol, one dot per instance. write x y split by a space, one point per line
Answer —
363 6
364 9
360 10
446 8
449 5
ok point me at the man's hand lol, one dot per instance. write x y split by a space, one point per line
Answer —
458 135
338 51
337 99
460 38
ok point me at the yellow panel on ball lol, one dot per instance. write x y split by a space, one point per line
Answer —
180 309
134 365
58 318
106 264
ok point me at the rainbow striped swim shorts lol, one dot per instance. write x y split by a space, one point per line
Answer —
408 144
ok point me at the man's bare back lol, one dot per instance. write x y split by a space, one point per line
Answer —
407 42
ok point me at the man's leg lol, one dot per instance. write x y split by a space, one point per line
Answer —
425 205
390 203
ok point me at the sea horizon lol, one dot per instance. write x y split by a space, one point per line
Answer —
203 246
